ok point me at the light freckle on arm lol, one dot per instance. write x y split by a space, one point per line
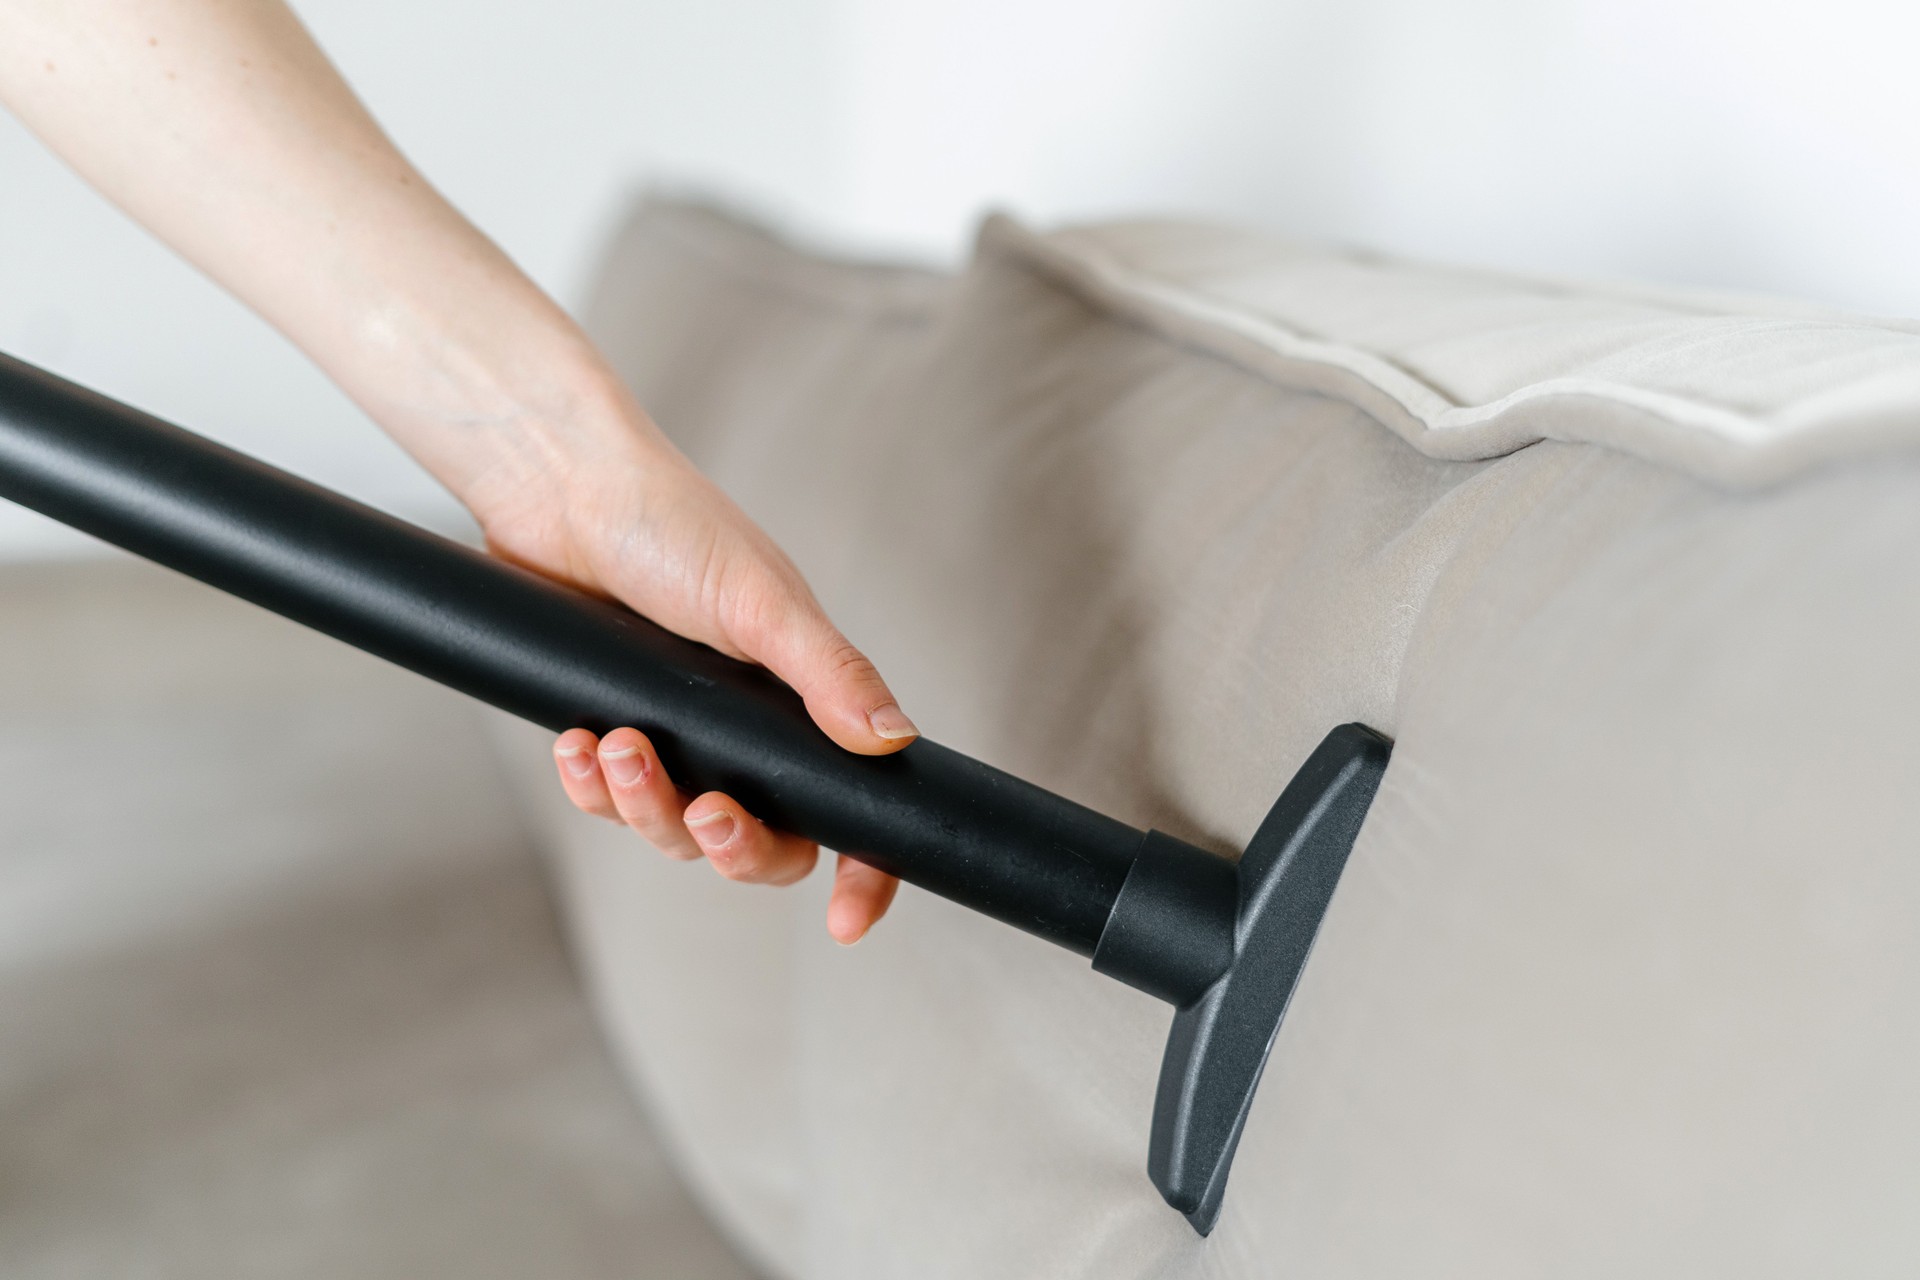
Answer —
49 66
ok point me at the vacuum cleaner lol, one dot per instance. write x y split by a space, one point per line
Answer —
1221 940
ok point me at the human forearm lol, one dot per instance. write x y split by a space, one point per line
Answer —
220 126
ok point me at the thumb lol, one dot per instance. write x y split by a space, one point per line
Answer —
844 693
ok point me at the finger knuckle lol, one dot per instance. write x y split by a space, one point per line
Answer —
741 870
845 662
649 824
792 873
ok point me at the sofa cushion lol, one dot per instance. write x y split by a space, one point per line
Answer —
1471 365
1623 975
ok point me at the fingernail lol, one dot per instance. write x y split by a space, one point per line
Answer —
712 831
577 760
625 765
891 722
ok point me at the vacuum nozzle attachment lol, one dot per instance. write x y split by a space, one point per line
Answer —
1222 1034
1223 943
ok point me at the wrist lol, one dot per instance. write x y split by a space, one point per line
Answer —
517 419
553 440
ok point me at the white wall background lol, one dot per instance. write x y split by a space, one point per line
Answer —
1734 143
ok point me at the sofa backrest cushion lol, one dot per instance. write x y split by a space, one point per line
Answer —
1624 974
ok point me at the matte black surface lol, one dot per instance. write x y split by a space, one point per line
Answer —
1219 1043
555 656
1171 932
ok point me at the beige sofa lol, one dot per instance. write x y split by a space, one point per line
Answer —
1624 975
282 992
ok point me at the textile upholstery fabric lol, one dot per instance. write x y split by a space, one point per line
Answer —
1623 977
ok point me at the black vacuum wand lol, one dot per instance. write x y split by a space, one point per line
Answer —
1223 942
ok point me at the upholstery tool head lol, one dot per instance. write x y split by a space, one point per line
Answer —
1257 929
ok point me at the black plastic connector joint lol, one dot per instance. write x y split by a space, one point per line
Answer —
1171 931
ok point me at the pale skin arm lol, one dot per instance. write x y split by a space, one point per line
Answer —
221 126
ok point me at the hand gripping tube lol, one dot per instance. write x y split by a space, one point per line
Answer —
1224 942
